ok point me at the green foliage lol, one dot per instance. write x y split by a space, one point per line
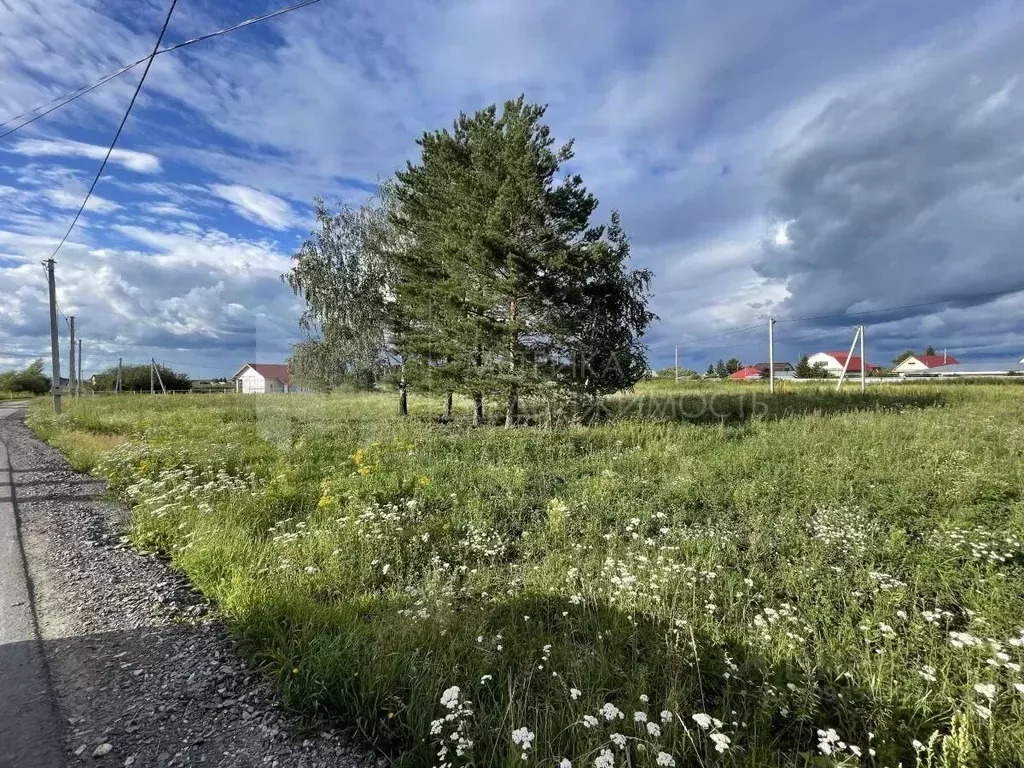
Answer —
929 350
788 565
342 274
902 356
804 370
30 380
136 378
502 285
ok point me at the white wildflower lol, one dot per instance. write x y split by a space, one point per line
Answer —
640 717
664 758
721 741
654 729
575 693
703 720
988 690
604 760
450 698
589 721
618 740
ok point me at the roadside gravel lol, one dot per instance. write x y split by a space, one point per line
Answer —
144 672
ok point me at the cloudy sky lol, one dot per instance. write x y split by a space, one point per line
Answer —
793 158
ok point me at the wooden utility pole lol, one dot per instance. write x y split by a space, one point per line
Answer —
54 338
117 383
677 363
771 354
152 383
71 358
78 379
159 378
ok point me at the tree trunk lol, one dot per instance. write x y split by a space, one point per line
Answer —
448 407
403 399
512 409
478 410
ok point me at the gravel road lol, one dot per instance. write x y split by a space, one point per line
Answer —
140 670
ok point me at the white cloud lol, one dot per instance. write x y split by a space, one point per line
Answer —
257 206
169 210
140 162
71 200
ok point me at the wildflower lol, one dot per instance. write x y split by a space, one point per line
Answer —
983 712
918 746
704 721
618 740
664 758
604 760
644 698
654 729
826 740
424 481
566 763
1019 687
721 741
611 712
589 721
988 690
928 673
855 750
450 698
575 693
640 717
485 679
523 737
666 716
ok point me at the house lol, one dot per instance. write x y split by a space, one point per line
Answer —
779 367
760 370
981 368
264 378
923 362
833 362
750 372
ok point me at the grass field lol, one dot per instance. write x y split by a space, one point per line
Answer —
707 577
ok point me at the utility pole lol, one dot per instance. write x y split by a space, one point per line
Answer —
54 339
771 354
71 358
849 355
117 384
78 379
152 367
863 364
159 378
677 363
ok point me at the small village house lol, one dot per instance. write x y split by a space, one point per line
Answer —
833 362
264 378
923 362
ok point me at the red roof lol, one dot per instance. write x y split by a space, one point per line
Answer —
277 371
933 361
854 361
750 371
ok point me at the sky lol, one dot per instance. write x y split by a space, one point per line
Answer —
793 159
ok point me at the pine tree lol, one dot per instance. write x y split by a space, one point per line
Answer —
929 350
502 285
710 371
803 368
720 370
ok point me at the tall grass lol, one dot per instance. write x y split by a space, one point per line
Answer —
750 581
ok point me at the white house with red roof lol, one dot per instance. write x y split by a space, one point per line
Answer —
924 362
833 362
264 379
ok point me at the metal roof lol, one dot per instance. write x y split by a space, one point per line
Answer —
984 367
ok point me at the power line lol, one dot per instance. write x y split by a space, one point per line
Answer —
71 96
120 128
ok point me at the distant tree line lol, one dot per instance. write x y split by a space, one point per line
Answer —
30 379
135 378
475 270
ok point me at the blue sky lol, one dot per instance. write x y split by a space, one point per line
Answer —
793 158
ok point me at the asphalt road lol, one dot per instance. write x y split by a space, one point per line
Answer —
30 735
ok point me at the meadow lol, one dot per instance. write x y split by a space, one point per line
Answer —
706 575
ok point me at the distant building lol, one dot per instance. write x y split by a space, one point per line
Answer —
983 368
750 372
833 362
924 362
264 378
779 367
